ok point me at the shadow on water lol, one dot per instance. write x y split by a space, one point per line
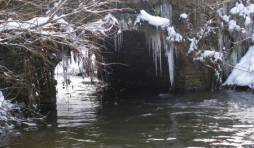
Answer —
203 119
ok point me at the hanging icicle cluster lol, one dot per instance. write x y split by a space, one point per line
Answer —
153 40
155 29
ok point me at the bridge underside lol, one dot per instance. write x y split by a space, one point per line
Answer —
133 68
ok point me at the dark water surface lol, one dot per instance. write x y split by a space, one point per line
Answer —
204 119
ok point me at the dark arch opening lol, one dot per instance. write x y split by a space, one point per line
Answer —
133 67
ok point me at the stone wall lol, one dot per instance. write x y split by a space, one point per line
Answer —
189 75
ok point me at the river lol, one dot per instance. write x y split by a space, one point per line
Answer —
202 119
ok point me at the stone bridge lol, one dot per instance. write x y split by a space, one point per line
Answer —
132 67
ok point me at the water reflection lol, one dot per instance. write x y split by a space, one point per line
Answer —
77 104
205 119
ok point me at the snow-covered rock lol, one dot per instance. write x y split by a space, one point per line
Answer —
243 72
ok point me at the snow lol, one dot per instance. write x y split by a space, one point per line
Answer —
233 26
251 8
4 105
1 99
40 25
184 16
119 31
212 54
64 25
214 57
225 18
5 117
243 72
193 45
152 20
99 27
248 21
14 25
239 9
173 36
243 11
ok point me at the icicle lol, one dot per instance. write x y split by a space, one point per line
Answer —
118 40
154 38
115 42
160 64
148 42
153 49
233 58
156 48
170 55
169 41
166 11
220 41
64 67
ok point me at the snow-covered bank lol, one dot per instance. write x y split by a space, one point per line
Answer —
5 115
12 115
243 72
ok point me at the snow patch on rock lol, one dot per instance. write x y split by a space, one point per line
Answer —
243 72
